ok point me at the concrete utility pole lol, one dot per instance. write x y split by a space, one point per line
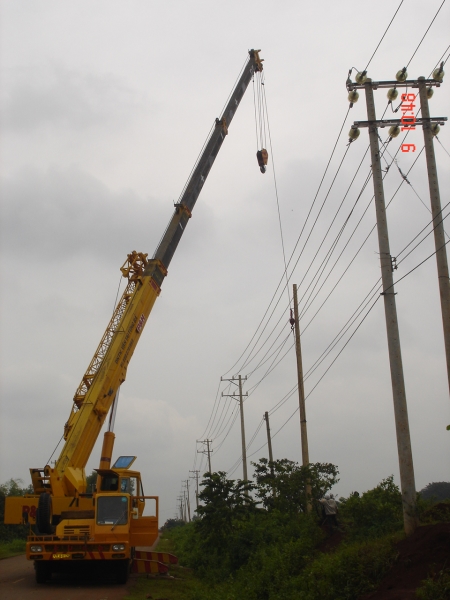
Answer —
188 499
208 452
301 389
196 479
438 224
269 441
241 409
395 357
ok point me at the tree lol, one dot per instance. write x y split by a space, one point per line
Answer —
437 491
225 503
282 484
375 512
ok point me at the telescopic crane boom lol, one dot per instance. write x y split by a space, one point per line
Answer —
60 491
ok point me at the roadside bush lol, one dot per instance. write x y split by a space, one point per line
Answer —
374 513
347 573
435 588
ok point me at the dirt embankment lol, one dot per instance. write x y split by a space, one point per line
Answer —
421 555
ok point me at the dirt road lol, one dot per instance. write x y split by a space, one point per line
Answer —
17 583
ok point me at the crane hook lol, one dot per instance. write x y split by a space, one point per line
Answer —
262 157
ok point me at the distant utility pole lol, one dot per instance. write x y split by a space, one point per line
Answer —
241 409
186 482
301 389
195 476
208 451
436 210
395 358
180 499
269 440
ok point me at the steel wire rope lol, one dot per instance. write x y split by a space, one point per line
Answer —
280 298
276 190
273 367
317 192
212 129
287 396
281 315
363 215
248 360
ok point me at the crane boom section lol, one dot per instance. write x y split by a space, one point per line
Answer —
107 370
193 187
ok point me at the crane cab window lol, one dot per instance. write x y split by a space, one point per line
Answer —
110 483
112 510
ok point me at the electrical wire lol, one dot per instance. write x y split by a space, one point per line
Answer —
382 38
315 197
276 191
428 29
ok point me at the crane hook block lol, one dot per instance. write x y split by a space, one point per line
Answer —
262 157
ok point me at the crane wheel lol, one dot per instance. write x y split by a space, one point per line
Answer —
43 571
44 514
122 571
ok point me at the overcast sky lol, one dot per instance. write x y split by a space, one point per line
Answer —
105 106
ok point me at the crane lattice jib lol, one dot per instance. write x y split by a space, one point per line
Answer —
132 269
107 370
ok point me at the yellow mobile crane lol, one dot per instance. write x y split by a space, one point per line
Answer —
73 524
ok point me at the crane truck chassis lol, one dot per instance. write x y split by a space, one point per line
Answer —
74 526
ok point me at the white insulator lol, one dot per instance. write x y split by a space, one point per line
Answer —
435 129
402 75
438 74
392 94
361 77
394 131
353 134
353 96
430 93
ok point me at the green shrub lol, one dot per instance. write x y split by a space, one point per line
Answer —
347 573
374 513
435 588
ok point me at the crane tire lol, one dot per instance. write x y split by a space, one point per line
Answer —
43 571
122 572
44 514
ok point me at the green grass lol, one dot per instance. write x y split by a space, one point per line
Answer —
13 548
